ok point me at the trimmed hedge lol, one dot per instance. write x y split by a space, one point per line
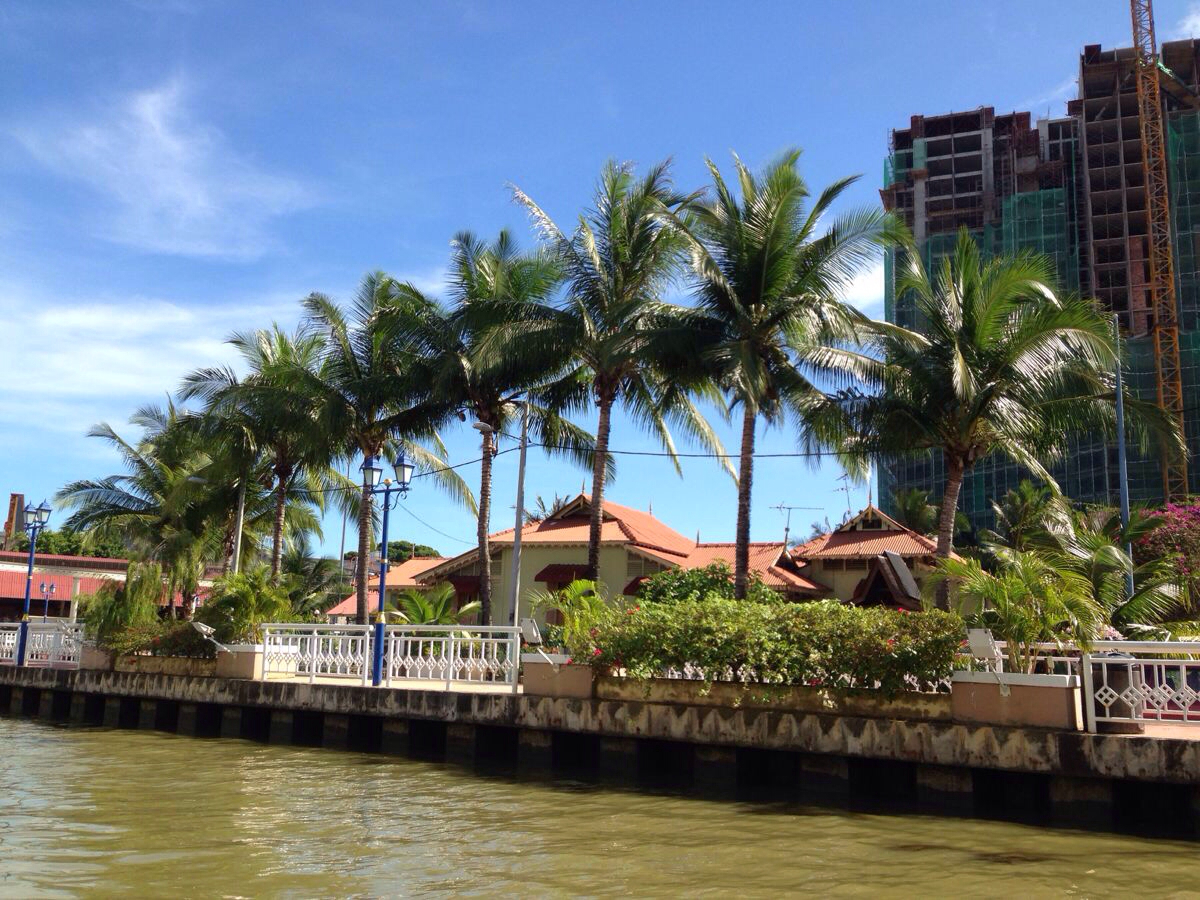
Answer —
822 644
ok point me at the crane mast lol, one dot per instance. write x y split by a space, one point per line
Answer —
1161 257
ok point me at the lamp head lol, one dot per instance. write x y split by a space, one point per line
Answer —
372 471
42 513
404 472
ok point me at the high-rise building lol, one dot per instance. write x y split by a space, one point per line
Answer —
1072 188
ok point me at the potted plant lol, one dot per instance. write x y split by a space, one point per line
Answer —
552 671
1027 603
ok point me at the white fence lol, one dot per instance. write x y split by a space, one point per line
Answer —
55 644
1131 681
450 654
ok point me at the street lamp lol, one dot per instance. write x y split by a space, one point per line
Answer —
372 472
47 596
35 523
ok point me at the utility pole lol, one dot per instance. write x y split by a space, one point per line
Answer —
515 597
1122 470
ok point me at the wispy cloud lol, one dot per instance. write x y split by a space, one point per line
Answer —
173 184
1189 25
1061 92
866 291
85 360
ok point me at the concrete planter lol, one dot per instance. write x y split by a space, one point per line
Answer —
167 665
553 676
243 661
915 706
1040 701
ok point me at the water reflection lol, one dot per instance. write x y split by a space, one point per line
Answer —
95 812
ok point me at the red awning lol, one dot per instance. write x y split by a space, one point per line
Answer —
634 586
561 573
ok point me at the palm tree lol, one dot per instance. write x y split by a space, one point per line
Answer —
312 582
167 507
768 277
367 398
434 606
1004 364
1027 511
914 511
492 285
276 418
619 260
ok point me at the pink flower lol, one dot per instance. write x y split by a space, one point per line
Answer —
595 651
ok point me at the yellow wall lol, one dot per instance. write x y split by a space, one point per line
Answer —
844 581
536 557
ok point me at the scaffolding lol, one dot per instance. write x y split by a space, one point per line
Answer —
1183 167
1039 221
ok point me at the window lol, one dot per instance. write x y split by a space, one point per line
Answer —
856 564
638 566
834 565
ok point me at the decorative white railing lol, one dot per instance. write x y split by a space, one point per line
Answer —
9 634
452 654
55 643
1131 681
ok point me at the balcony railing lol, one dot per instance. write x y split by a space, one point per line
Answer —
55 644
449 654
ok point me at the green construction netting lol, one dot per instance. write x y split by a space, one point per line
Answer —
1183 169
1040 221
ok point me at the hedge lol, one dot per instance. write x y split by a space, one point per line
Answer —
823 644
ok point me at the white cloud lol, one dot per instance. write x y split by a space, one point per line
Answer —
1189 25
173 183
83 361
1064 90
866 291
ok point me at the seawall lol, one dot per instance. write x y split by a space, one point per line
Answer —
1105 781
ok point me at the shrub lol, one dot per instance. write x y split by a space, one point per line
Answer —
161 638
119 606
240 604
823 644
714 580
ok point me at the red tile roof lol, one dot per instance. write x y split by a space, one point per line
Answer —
765 559
401 576
52 560
12 585
847 542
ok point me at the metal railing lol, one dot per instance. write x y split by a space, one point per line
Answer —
56 644
9 634
450 654
1131 682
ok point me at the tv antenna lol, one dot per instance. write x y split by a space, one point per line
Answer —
845 489
787 528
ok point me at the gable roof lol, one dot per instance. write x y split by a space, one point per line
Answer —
399 577
848 541
769 560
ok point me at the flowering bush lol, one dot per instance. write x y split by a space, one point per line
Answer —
713 580
822 644
1176 537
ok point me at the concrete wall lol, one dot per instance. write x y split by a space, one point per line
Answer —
1097 781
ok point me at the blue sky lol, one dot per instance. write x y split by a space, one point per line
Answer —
172 171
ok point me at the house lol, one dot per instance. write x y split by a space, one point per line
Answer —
400 577
633 546
869 560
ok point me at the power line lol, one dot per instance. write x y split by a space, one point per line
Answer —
431 528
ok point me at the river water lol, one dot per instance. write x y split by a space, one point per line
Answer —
112 813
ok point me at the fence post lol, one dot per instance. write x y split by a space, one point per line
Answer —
451 650
1089 703
365 644
514 650
314 648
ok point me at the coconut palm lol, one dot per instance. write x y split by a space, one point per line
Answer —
435 606
769 267
367 397
1027 511
276 418
313 583
618 262
1003 364
491 286
1026 601
169 504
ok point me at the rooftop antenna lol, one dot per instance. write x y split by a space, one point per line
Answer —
787 528
870 484
845 489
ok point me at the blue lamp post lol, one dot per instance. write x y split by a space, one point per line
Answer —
372 473
35 523
47 596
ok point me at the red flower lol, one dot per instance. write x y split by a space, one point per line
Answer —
595 651
891 642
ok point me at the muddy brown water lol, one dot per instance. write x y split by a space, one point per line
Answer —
92 812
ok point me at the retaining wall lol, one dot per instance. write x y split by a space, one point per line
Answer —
1097 780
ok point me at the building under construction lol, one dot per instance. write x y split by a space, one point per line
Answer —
1075 189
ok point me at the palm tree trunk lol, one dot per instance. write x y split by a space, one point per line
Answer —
364 547
741 554
485 514
605 403
945 541
277 530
